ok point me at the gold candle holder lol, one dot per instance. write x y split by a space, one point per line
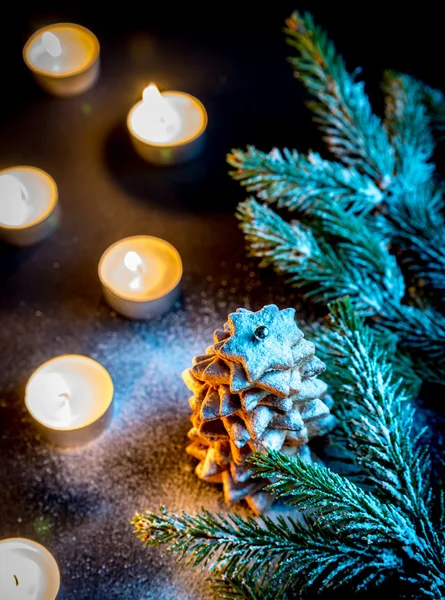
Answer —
29 210
70 399
141 276
167 128
64 58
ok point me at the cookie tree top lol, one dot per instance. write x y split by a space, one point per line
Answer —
256 388
383 191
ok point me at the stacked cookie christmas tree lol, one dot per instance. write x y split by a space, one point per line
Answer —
255 388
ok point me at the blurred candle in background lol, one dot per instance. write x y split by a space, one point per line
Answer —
14 205
28 205
70 399
27 571
167 128
64 58
141 276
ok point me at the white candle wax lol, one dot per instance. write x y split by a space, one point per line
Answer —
64 58
168 127
28 205
70 399
141 276
27 571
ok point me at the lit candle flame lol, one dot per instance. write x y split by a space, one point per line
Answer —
52 44
14 206
161 121
134 263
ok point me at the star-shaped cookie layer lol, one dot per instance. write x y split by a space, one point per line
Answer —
258 355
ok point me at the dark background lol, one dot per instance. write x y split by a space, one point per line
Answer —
232 57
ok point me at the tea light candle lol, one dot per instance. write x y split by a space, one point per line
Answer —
70 399
28 205
64 58
141 276
167 128
27 571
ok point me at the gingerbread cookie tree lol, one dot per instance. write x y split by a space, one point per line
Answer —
255 388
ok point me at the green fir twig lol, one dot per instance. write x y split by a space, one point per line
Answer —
342 109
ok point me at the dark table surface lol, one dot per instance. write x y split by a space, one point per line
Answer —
79 502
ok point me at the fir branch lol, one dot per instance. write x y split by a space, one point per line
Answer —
321 334
342 109
414 222
374 413
360 245
295 181
349 535
244 547
359 267
434 101
356 514
410 133
318 268
333 501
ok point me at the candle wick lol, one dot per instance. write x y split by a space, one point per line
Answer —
16 580
64 395
24 194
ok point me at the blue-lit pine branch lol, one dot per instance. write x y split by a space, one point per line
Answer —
383 198
295 181
342 109
414 218
410 133
374 411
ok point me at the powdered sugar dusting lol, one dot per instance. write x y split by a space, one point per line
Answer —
79 501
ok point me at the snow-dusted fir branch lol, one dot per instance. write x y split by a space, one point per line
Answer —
415 224
236 547
295 181
349 535
409 129
397 156
354 134
375 413
413 218
346 259
361 518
